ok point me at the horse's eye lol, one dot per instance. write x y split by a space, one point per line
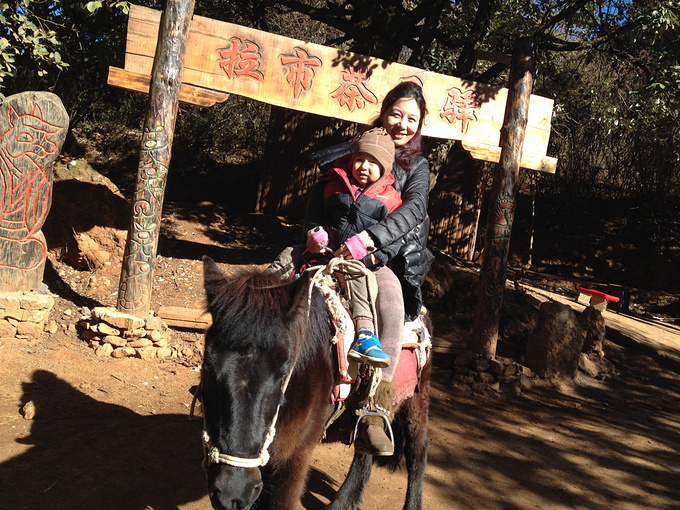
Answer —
24 138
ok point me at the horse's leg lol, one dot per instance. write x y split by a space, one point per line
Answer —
351 493
415 417
287 482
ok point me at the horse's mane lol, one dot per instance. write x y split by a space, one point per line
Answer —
253 308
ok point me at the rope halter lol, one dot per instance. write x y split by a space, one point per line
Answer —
214 456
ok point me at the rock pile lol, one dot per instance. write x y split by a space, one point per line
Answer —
479 373
24 314
112 333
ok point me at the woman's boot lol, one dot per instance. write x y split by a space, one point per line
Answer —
371 436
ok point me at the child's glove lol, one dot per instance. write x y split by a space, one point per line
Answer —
317 240
356 247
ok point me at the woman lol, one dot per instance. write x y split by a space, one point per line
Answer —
399 283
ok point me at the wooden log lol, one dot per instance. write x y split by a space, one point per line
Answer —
494 269
189 318
33 127
139 82
134 291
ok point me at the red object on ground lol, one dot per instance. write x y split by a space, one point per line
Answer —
597 293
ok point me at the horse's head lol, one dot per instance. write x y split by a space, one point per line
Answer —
29 134
250 351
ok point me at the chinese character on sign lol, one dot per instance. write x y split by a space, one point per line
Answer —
241 59
300 73
460 106
353 93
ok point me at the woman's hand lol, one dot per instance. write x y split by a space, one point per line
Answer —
356 247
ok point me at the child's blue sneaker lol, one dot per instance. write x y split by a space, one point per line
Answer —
367 349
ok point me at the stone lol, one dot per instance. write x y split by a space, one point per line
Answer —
486 378
29 329
134 333
146 352
155 335
51 327
123 352
140 343
13 313
104 350
525 382
122 320
507 379
481 365
554 348
497 367
594 327
7 329
162 342
10 301
37 302
37 316
88 334
104 329
153 323
511 369
465 358
164 352
28 411
116 341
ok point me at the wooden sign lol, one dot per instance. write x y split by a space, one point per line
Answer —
33 128
223 58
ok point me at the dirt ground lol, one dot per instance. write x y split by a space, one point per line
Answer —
115 433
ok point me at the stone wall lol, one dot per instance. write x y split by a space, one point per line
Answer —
117 334
24 314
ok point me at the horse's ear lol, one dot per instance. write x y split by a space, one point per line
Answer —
298 309
212 277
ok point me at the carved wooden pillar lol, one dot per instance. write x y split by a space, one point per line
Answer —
134 293
502 204
33 127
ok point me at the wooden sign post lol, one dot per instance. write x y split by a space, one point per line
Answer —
502 206
134 292
33 127
222 58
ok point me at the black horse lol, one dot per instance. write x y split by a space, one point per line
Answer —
268 373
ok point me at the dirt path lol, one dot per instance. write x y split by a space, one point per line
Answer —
114 433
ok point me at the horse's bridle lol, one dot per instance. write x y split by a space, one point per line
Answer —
212 454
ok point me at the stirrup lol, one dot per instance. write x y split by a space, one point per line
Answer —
363 413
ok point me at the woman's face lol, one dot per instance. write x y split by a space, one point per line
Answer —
401 120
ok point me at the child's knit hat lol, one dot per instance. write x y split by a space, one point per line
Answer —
379 144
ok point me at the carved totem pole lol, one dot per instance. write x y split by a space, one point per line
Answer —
33 127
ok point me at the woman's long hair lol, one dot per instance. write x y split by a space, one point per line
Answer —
407 153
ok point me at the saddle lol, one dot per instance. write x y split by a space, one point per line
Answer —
416 345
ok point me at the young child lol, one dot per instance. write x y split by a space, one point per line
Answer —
359 193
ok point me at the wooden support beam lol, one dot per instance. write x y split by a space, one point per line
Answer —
139 82
189 318
494 269
134 291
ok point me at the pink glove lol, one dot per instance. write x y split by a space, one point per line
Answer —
356 247
317 241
